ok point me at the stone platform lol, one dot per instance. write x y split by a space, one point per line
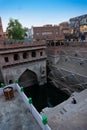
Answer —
14 115
69 116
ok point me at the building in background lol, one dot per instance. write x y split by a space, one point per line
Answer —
50 33
78 27
1 31
64 28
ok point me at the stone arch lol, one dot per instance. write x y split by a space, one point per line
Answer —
27 78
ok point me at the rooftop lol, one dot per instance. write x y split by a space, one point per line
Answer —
14 115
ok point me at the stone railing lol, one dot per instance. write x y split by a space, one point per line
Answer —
22 45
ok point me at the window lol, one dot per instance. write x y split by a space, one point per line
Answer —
72 31
33 54
16 57
83 28
25 55
6 59
41 53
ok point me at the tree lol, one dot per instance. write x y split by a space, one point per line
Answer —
15 29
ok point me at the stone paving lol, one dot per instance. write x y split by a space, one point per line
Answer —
14 115
69 116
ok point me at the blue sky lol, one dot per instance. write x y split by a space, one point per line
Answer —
41 12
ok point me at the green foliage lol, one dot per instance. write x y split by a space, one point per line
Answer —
15 30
